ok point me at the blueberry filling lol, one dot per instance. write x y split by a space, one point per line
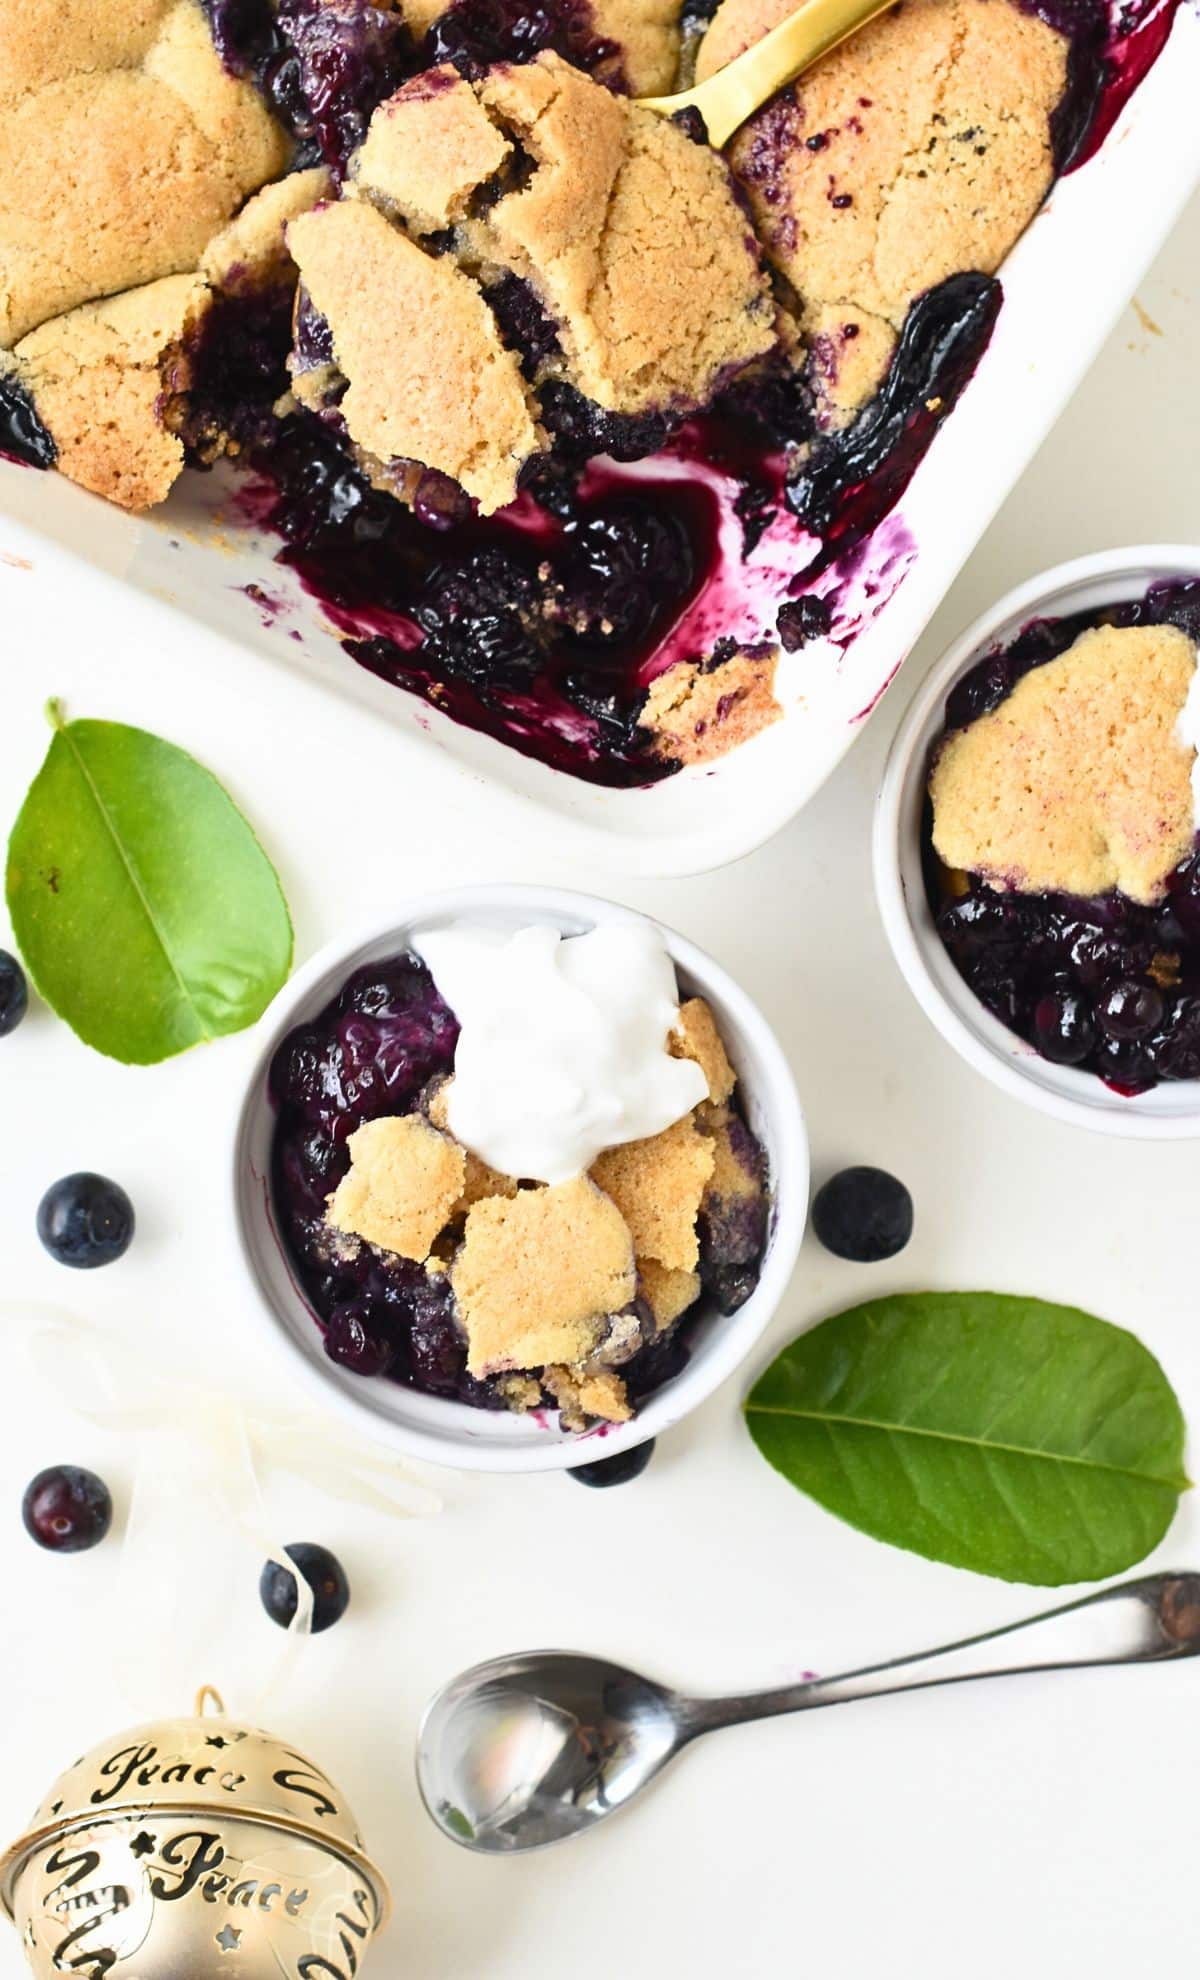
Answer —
1104 984
373 1050
473 34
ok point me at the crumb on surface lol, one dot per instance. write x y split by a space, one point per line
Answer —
538 1274
696 1037
1078 781
402 1184
657 1185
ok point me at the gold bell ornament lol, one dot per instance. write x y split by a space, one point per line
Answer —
194 1849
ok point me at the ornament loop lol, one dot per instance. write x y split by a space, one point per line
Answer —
208 1694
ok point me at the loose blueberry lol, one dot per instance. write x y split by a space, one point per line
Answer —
615 1470
863 1214
14 993
66 1509
85 1220
324 1574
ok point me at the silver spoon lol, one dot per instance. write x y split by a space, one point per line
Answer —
530 1749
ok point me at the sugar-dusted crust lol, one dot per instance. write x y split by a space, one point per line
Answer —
105 379
403 1182
930 153
429 379
632 238
696 1037
668 1292
539 1273
584 1395
428 150
657 1185
481 1179
696 713
1078 782
121 153
253 247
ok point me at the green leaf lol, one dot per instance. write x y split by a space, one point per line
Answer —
1010 1436
147 913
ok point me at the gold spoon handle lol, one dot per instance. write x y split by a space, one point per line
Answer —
743 86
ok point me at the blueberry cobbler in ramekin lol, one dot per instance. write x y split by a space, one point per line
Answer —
509 1170
1062 858
572 425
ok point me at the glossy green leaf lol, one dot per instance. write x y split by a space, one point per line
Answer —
1010 1436
147 913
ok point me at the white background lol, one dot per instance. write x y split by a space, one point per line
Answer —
1042 1826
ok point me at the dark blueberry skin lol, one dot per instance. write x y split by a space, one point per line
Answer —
1107 984
324 1574
863 1214
14 993
357 1338
614 1470
85 1221
66 1509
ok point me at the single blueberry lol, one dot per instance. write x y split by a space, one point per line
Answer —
863 1214
85 1220
1129 1011
14 993
615 1470
66 1509
354 1340
1063 1027
324 1574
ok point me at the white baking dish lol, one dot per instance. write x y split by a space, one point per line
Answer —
1065 284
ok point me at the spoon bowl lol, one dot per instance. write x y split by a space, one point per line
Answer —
530 1749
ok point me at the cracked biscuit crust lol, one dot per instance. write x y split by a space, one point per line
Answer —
918 149
428 377
1078 782
697 713
124 146
657 1185
538 1275
104 379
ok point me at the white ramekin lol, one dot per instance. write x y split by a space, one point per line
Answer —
1170 1111
449 1433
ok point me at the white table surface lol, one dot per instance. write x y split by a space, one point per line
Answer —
1045 1826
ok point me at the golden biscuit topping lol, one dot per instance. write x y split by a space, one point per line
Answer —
539 1274
404 1180
657 1186
696 1037
667 1291
1078 782
124 147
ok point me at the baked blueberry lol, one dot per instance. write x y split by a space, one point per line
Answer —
66 1509
85 1220
863 1214
14 993
615 1470
324 1574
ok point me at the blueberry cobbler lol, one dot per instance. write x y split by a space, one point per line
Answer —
1062 855
573 426
511 1170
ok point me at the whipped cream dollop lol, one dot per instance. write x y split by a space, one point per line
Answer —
563 1047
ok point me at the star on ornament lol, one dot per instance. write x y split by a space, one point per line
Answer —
216 1740
228 1939
55 1809
143 1845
